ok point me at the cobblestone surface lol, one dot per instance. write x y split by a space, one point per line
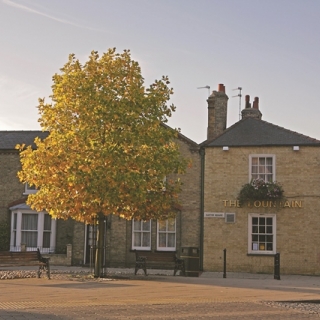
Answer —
187 311
69 275
311 308
121 295
24 274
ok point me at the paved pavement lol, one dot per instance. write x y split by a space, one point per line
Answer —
158 296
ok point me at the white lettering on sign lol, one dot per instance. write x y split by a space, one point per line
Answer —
214 214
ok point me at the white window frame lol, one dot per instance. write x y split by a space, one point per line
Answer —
142 234
273 156
166 232
15 238
28 189
254 246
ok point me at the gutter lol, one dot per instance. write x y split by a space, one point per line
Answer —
202 156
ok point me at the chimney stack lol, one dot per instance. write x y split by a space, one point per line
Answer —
253 112
217 112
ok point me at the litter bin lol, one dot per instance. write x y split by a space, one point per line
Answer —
191 258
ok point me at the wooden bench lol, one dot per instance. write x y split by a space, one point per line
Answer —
157 259
25 258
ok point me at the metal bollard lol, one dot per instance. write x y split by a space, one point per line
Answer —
224 263
277 266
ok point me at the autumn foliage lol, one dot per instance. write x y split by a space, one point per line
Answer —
108 149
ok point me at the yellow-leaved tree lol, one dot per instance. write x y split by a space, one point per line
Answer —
108 149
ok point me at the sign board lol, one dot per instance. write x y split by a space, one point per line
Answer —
214 214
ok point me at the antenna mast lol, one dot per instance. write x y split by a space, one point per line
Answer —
206 87
239 95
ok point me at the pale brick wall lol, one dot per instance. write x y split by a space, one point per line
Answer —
189 219
298 237
10 188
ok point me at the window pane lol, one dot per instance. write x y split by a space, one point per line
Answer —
146 225
46 240
162 225
268 169
254 229
268 178
269 238
171 224
137 239
146 239
262 229
269 161
47 222
29 222
254 161
269 221
262 221
171 240
269 229
30 238
254 221
162 240
15 221
269 246
262 247
262 161
137 225
262 238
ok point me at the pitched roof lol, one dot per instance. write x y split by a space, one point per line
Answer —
9 139
255 132
193 145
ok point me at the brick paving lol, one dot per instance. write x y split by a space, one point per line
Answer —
157 297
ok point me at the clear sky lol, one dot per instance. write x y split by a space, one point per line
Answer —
270 48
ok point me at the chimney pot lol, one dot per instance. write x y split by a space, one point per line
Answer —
248 104
256 103
221 88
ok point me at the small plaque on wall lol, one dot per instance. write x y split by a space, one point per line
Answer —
214 214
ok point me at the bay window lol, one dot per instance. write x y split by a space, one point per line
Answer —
32 229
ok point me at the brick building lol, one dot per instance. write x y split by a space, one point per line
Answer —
211 218
21 225
253 231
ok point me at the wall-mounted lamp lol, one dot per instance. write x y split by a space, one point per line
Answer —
225 148
295 148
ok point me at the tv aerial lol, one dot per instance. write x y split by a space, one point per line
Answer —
205 87
239 95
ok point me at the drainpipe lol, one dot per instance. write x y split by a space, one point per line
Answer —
202 156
